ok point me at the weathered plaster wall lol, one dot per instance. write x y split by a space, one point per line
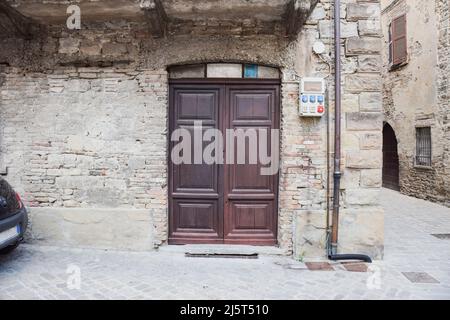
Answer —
85 128
411 98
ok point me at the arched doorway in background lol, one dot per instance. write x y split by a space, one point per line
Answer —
391 164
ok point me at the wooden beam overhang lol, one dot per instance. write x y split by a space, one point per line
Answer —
297 12
156 17
13 23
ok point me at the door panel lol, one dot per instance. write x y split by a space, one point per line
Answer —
250 107
250 197
195 219
230 203
197 106
195 178
196 202
245 178
252 217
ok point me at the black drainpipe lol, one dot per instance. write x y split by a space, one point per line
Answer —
332 242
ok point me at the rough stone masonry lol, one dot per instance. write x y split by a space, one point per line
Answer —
417 95
84 124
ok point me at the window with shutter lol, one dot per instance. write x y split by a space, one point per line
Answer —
390 44
398 51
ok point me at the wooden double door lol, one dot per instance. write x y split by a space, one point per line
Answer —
223 203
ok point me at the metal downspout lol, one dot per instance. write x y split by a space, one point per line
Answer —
334 237
337 127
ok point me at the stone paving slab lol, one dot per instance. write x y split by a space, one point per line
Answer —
38 272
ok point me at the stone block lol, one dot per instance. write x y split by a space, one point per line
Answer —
69 45
362 45
371 141
361 230
363 11
369 63
90 49
318 13
309 237
119 229
371 178
371 102
350 102
366 159
351 178
369 27
114 49
350 141
362 197
348 29
364 121
356 83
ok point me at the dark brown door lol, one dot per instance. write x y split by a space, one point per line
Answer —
196 190
250 197
231 203
391 165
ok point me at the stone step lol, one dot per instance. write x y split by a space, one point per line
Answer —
223 249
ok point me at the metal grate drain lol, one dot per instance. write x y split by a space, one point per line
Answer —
442 236
420 277
222 255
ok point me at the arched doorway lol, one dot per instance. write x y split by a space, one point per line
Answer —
391 164
231 202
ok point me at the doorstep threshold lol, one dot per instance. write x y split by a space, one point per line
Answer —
223 250
222 255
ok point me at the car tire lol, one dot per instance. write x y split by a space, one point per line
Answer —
9 249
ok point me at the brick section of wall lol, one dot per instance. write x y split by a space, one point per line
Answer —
87 137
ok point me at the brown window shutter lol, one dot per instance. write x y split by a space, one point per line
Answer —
399 41
390 45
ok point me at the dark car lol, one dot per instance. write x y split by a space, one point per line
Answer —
13 218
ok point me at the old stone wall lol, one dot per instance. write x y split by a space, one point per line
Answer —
443 87
414 96
84 128
85 117
361 136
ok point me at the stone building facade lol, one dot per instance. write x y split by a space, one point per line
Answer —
84 117
416 95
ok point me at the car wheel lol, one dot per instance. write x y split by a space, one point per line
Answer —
9 249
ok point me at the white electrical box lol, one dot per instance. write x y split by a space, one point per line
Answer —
312 97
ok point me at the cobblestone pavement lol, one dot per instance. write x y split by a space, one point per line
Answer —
34 272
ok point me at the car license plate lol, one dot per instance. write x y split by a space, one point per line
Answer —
9 234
